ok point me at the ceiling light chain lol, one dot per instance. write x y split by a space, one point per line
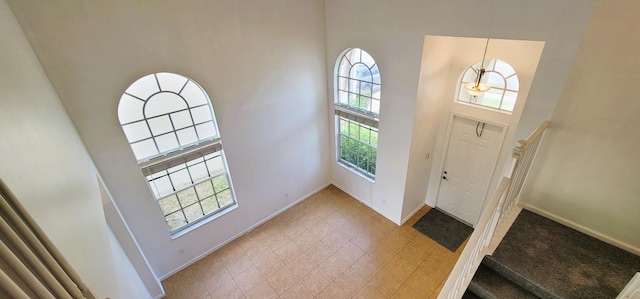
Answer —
476 88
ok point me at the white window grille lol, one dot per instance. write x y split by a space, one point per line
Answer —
357 109
171 128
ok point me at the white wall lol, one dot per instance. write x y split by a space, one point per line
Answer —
523 56
128 279
434 95
393 33
586 173
46 166
135 268
261 62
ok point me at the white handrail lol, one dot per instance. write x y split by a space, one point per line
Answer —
534 136
500 206
464 271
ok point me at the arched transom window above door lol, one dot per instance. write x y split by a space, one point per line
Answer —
503 81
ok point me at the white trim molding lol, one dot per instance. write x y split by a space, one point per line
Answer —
583 229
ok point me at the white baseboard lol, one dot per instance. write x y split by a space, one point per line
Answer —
242 233
584 230
364 202
368 204
412 213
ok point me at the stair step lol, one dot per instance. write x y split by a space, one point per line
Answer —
470 295
488 284
518 279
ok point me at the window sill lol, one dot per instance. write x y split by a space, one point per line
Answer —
487 108
356 171
202 222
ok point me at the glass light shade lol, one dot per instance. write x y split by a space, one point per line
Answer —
476 89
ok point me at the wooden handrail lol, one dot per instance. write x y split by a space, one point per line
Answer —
523 145
538 132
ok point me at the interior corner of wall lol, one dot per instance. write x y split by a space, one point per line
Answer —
124 239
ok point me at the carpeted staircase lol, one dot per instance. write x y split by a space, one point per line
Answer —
540 258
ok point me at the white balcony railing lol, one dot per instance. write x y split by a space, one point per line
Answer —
496 218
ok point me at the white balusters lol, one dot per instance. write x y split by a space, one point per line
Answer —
501 205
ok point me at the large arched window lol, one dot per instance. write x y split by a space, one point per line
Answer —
169 123
503 81
357 108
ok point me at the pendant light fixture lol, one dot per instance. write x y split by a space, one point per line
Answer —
476 88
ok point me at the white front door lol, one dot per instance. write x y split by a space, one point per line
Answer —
469 165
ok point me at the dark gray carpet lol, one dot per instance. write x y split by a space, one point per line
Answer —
443 229
489 284
470 295
565 262
516 278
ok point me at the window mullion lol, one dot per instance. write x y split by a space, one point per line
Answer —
183 86
190 153
155 143
352 114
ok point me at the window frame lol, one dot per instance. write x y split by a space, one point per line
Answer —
189 155
345 111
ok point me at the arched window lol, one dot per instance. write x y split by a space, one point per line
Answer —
503 81
169 123
357 108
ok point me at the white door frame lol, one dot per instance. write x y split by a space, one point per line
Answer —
445 150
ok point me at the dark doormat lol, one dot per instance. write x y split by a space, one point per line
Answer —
443 229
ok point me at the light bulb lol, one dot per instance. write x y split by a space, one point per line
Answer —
476 90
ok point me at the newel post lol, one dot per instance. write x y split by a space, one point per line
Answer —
518 150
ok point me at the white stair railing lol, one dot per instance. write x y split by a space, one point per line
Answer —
497 215
632 290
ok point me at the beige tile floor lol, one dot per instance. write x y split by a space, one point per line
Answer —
328 246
